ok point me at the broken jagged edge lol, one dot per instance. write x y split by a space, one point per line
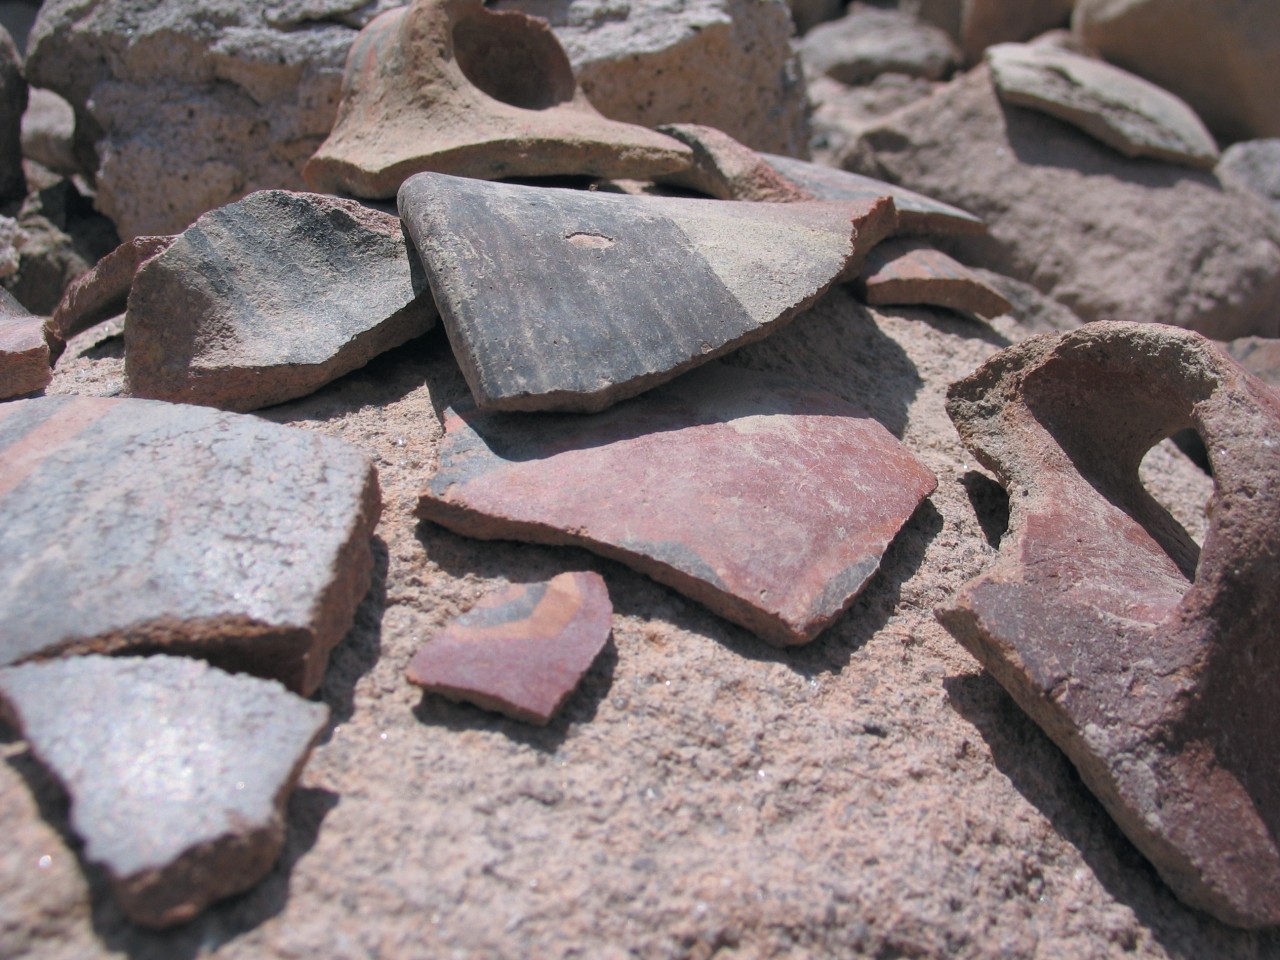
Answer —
572 300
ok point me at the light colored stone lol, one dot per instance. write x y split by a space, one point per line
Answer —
1253 165
1122 110
868 41
726 64
978 24
1221 56
48 132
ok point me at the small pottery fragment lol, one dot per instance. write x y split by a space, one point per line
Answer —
903 272
24 352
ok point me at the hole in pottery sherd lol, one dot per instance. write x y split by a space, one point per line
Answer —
511 59
1177 485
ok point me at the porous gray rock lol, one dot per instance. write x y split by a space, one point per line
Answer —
13 103
270 298
1253 165
179 528
48 132
978 24
1221 56
1108 236
726 64
1119 108
177 773
868 41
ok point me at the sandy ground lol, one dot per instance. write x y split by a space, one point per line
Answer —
703 794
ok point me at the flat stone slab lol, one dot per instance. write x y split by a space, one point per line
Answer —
1122 110
137 525
450 86
520 651
1149 661
917 214
24 352
103 292
178 773
268 299
769 503
573 300
902 272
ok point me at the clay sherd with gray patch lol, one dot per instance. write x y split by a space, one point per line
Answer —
520 651
132 525
1122 110
918 215
270 298
24 352
1151 662
903 272
769 503
571 300
178 773
450 86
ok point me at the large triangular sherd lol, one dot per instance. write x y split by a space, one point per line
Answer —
138 525
177 772
767 502
572 300
520 651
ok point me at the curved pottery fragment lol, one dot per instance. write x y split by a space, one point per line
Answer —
1152 664
450 87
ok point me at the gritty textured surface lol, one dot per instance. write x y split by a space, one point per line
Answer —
453 87
771 505
626 292
1147 659
872 792
1111 237
1253 165
177 773
24 353
1119 108
520 651
179 527
269 298
908 272
867 42
728 170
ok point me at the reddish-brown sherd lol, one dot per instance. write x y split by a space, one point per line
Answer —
24 353
520 651
902 272
1150 661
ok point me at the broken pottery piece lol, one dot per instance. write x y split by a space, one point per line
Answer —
24 352
136 525
573 300
1151 663
917 214
520 651
769 503
728 170
1122 110
270 298
448 86
903 272
178 773
103 292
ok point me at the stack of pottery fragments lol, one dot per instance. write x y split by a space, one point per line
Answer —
589 273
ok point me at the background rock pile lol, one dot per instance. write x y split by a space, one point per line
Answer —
701 793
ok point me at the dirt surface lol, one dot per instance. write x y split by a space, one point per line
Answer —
874 793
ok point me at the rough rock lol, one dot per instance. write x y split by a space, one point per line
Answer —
1221 56
24 354
452 87
179 528
1122 110
839 111
905 272
728 170
103 292
917 214
1035 312
177 772
626 292
270 298
13 102
48 132
699 485
520 651
867 42
1259 356
12 239
184 107
1148 660
726 64
978 24
1253 165
1110 237
807 14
